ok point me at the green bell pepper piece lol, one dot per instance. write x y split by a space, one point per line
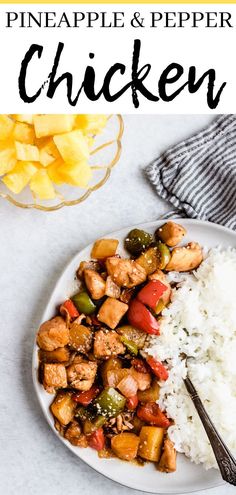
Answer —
110 403
90 426
163 255
84 303
130 345
137 240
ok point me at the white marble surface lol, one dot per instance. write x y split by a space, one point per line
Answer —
34 248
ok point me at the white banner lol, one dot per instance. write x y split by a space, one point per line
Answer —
117 58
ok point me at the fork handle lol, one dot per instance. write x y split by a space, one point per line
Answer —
224 458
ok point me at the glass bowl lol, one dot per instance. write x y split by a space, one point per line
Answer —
105 154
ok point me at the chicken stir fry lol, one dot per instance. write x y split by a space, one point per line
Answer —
92 354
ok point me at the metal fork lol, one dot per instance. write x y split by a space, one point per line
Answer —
224 458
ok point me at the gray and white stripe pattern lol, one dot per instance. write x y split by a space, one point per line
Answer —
198 176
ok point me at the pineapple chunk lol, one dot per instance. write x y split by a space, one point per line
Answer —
151 441
41 142
26 118
48 153
76 175
53 171
48 125
6 144
40 150
26 152
41 185
19 177
23 133
91 124
45 158
6 126
63 408
72 146
7 160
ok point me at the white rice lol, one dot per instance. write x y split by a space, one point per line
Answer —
201 322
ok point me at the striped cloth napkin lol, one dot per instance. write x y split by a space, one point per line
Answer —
198 176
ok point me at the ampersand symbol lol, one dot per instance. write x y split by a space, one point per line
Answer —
137 20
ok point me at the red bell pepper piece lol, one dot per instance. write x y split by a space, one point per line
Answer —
85 398
140 317
152 414
97 439
158 368
132 402
140 365
70 308
151 293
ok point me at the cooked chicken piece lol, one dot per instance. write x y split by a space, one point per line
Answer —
95 283
53 334
111 312
84 265
112 289
74 436
54 376
184 259
171 233
125 273
167 463
73 433
81 374
159 275
107 343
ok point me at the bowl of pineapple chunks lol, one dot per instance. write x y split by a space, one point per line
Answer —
49 161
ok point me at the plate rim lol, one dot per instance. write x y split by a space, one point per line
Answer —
36 384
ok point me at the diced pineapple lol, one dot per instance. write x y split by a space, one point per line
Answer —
23 133
26 118
48 125
45 159
19 177
72 146
41 142
26 152
76 175
91 124
7 160
48 153
151 440
104 248
63 408
125 445
42 186
59 143
6 126
53 171
7 143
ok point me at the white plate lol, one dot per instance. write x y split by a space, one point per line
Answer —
188 477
